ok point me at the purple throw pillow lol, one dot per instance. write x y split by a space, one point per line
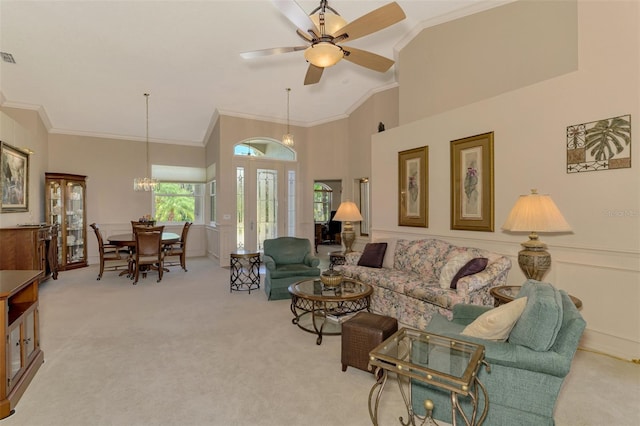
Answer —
373 255
472 267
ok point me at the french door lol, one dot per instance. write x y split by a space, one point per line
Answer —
262 188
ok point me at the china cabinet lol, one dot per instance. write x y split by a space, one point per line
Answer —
66 206
20 353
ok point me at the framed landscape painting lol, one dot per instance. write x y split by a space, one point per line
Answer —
14 180
413 192
472 183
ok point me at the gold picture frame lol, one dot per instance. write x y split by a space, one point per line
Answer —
413 190
472 202
14 179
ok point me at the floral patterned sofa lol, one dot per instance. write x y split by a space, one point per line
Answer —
410 291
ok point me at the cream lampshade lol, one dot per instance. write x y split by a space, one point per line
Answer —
348 212
535 213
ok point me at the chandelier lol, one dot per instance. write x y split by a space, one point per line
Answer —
146 183
287 138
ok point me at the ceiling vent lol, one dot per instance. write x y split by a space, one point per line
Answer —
7 57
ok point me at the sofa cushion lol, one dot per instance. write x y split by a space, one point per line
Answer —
451 268
541 320
373 255
496 324
424 257
474 266
390 253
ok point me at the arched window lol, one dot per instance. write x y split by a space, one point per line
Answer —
264 148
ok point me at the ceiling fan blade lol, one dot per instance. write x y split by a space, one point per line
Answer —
367 59
371 22
272 51
296 15
313 74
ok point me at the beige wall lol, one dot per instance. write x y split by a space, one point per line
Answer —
486 54
23 129
600 261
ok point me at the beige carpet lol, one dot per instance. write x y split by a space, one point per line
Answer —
186 351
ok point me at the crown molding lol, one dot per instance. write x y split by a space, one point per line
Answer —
124 137
42 113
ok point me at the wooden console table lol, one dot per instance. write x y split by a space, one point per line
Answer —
20 353
30 247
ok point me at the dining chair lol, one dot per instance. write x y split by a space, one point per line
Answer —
112 257
148 251
147 223
178 249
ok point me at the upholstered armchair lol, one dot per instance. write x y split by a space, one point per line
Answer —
287 260
526 370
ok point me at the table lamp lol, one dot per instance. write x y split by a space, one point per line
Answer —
348 212
535 213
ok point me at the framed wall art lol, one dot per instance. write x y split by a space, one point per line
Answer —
599 145
413 191
472 183
14 179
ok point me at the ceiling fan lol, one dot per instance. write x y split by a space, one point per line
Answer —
324 30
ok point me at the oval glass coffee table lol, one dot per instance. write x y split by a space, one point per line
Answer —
320 309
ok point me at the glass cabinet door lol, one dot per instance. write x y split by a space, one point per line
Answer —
74 216
55 211
15 351
29 333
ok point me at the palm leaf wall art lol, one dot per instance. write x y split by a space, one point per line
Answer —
599 145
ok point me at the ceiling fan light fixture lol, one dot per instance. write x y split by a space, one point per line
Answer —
323 54
332 22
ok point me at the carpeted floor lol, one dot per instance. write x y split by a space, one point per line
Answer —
186 351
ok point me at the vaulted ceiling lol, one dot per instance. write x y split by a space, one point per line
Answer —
85 65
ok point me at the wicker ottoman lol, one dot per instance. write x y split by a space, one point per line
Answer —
361 334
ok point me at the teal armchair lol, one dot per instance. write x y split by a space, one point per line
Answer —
287 260
527 370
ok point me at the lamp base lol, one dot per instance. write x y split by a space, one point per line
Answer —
534 260
348 237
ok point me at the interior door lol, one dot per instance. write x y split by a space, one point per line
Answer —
261 202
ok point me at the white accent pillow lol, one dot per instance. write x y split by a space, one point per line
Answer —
496 324
389 255
451 268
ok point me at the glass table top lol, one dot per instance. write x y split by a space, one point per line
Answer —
315 289
446 362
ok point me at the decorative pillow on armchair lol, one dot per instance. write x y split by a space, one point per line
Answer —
496 324
373 255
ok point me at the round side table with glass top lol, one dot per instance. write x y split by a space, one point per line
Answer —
245 270
506 293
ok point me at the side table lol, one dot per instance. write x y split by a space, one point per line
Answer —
245 270
506 293
336 258
443 362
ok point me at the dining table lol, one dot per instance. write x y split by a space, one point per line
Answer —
129 240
